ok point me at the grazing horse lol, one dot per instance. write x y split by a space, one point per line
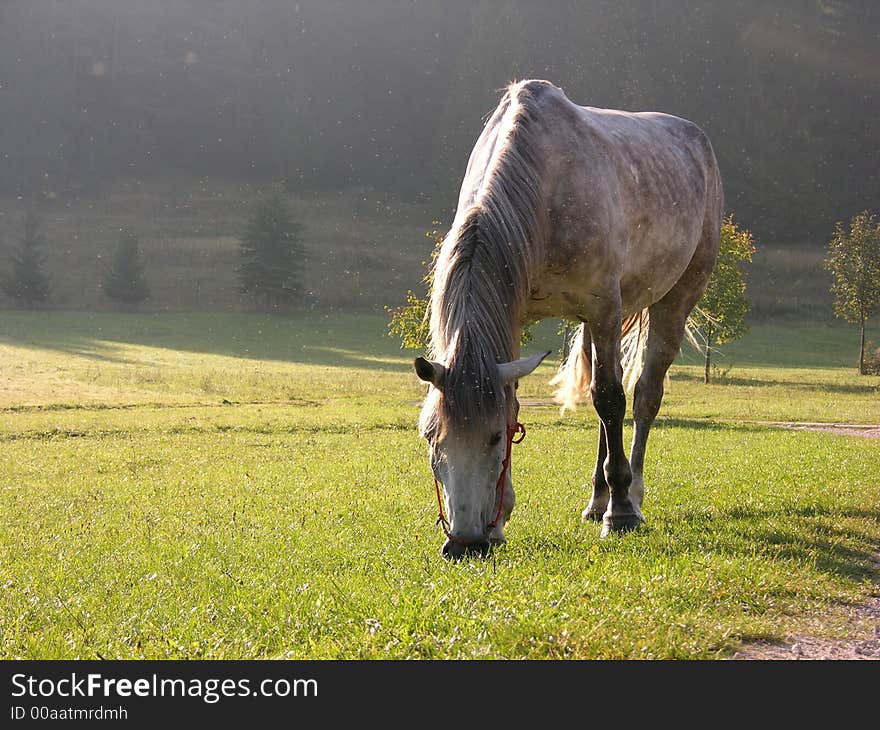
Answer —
606 217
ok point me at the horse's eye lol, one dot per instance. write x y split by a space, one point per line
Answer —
496 437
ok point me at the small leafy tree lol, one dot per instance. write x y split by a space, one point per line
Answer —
27 283
271 253
854 260
721 313
124 281
410 321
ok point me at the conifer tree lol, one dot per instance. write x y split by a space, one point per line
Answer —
124 281
27 282
271 253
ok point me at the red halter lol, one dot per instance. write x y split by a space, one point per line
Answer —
499 487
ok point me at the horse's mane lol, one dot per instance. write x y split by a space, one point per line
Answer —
481 276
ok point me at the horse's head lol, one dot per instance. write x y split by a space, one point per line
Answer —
468 444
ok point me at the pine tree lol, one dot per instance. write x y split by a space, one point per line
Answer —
721 313
271 253
854 260
27 282
124 281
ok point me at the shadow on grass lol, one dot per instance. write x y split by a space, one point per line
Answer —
808 535
743 513
708 425
869 388
341 340
590 423
804 534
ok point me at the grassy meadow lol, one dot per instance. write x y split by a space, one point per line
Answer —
248 486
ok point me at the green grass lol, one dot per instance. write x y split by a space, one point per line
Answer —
239 486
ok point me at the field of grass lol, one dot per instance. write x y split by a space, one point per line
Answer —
241 486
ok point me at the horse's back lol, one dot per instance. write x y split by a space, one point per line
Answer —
629 195
644 153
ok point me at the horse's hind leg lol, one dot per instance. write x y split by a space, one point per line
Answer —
668 318
664 340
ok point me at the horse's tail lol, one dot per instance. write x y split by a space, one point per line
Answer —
633 338
576 371
574 374
691 331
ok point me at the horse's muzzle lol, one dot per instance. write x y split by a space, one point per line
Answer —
454 550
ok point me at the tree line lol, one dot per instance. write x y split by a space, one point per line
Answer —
272 257
271 260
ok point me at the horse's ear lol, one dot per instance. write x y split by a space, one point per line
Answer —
512 371
429 371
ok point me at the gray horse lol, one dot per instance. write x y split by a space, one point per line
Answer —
608 217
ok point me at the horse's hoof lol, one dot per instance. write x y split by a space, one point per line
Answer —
620 524
595 509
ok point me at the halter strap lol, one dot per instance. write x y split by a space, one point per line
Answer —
512 431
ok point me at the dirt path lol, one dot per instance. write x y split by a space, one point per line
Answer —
862 620
864 430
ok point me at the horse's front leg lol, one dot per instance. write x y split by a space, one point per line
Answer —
609 400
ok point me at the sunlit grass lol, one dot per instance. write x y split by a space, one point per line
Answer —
249 487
